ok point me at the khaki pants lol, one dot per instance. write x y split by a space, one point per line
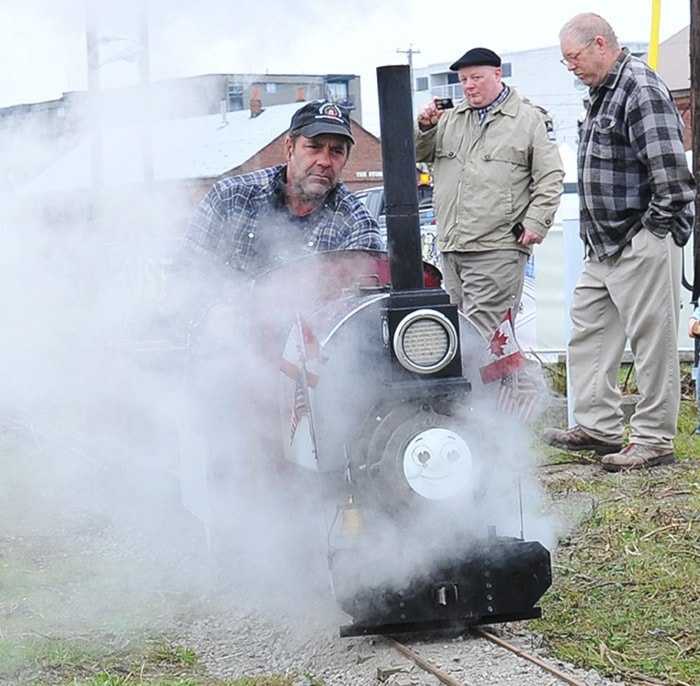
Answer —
485 284
632 296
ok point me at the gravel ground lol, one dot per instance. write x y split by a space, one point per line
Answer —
230 644
255 627
301 637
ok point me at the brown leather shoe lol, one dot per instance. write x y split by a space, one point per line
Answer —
636 456
577 439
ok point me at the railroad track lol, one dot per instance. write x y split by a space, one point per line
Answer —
445 678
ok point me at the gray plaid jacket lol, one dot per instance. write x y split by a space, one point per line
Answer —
242 228
633 173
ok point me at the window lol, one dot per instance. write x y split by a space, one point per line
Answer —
506 69
422 83
337 91
235 97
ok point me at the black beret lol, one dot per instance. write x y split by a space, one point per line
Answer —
477 57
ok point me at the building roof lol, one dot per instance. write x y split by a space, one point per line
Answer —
192 148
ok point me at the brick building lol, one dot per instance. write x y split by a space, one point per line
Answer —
34 135
185 156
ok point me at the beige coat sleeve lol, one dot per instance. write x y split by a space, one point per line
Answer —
425 144
547 171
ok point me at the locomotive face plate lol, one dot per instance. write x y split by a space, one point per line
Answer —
437 464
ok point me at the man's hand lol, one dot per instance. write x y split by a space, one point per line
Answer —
528 237
693 328
428 115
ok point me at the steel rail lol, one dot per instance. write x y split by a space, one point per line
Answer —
527 656
423 663
486 635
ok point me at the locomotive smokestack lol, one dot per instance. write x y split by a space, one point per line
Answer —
399 169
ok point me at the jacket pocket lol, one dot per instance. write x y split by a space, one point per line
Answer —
509 155
602 139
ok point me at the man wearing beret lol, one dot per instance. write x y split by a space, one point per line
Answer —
498 180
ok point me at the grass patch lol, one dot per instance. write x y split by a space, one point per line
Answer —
174 655
115 661
555 374
22 659
625 594
74 610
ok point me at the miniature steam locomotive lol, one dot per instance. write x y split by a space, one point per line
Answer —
381 394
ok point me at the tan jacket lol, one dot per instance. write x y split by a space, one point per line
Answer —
487 179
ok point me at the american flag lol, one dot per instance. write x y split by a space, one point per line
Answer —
519 393
301 361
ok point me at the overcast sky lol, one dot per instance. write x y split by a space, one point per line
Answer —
42 42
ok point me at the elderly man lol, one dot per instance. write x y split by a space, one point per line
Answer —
635 192
498 180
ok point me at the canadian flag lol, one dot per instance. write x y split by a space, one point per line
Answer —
504 352
302 354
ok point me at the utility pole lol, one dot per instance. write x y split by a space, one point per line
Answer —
94 96
138 51
410 52
694 39
145 85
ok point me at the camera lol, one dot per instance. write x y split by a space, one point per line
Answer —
517 230
444 103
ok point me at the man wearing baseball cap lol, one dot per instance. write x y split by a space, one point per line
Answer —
250 223
498 178
244 226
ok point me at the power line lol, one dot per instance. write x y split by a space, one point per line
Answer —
410 52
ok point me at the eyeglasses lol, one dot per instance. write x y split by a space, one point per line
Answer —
566 61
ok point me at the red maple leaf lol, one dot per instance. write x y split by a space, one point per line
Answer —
498 342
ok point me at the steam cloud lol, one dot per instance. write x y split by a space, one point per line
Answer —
92 375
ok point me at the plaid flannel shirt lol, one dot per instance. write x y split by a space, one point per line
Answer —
633 173
242 228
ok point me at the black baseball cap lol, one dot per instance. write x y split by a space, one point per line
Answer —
322 116
477 57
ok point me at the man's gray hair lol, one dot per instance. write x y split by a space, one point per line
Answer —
584 28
